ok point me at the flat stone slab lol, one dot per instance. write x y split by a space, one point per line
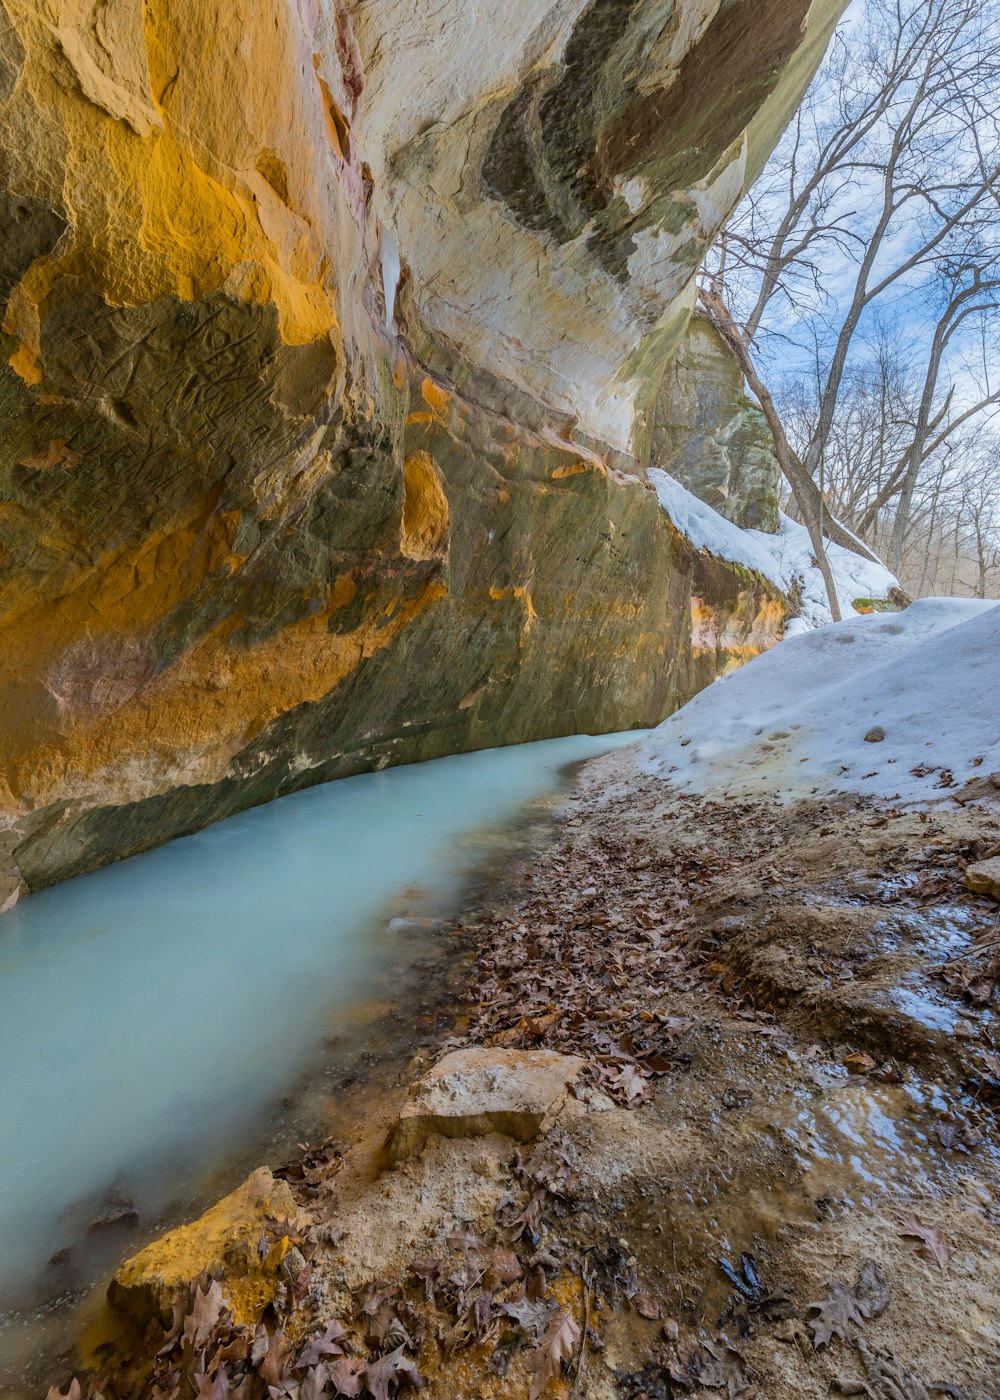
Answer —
484 1090
222 1241
984 877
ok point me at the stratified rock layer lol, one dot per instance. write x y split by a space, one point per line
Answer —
707 434
330 337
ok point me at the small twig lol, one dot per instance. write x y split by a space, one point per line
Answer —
586 1323
972 952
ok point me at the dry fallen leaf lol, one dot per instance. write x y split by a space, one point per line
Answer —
73 1393
347 1376
871 1290
835 1314
389 1369
725 1368
206 1309
932 1247
556 1347
327 1345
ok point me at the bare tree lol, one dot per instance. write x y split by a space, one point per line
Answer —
788 461
881 208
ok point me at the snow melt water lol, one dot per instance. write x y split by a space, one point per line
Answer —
151 1012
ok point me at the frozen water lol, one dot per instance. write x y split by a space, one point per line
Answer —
150 1012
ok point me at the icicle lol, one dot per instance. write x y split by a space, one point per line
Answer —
388 252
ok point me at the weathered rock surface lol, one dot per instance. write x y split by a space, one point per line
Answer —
707 434
470 1093
984 877
224 1241
330 336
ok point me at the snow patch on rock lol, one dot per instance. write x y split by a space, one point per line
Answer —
785 558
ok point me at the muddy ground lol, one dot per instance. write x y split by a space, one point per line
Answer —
779 1175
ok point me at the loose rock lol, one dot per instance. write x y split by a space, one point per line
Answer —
225 1240
984 877
485 1090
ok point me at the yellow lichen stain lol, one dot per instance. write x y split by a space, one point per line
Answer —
435 397
24 361
57 454
344 591
438 401
425 508
157 219
522 594
561 473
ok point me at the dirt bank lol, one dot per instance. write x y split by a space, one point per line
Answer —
777 1176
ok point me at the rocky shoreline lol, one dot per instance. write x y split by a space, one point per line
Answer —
718 1117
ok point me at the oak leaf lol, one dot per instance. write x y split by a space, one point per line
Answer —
327 1345
347 1376
932 1247
206 1309
835 1314
725 1368
555 1348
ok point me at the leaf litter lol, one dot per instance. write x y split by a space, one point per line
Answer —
570 967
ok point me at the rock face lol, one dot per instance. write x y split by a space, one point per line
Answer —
331 334
707 434
485 1090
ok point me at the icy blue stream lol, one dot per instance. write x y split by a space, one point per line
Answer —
151 1012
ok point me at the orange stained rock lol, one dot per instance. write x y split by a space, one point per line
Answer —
57 454
435 397
425 507
575 469
222 1241
161 203
437 400
520 592
739 635
200 711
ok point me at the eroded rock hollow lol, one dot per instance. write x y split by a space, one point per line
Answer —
333 334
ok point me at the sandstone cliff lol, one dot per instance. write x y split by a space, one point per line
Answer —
332 337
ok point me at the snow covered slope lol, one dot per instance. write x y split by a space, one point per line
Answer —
782 558
794 721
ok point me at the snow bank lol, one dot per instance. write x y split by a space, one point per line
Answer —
854 576
793 721
782 558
